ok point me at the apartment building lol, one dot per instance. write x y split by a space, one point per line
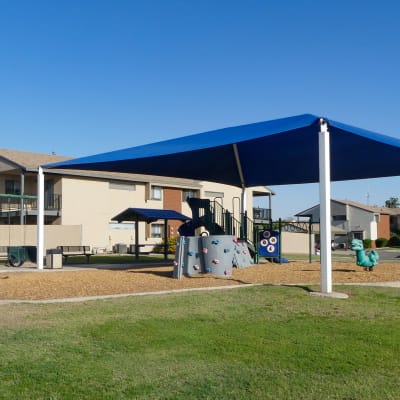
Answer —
80 205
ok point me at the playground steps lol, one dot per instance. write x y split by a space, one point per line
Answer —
217 221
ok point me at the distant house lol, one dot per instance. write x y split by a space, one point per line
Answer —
355 220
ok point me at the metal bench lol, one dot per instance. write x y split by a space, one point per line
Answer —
70 251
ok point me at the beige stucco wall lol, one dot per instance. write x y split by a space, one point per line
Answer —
92 203
296 243
26 235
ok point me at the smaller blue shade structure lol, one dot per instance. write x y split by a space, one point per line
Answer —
149 215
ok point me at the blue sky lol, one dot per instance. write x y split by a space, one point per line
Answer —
80 77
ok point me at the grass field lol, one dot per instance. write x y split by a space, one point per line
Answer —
263 342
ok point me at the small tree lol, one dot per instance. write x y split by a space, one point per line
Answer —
367 243
393 202
394 241
159 248
381 242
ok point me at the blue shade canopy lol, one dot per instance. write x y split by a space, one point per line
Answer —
148 215
278 152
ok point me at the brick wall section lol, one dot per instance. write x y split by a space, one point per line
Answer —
173 201
384 226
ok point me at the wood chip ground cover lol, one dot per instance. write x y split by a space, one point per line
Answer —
64 283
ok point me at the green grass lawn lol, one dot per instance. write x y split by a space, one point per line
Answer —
262 342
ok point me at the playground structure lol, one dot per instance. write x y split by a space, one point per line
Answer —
226 245
263 240
215 254
366 259
269 246
217 221
231 242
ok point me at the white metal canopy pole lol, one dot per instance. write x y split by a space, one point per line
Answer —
40 219
325 207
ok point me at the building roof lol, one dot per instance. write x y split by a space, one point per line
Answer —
372 209
15 159
11 160
26 160
334 229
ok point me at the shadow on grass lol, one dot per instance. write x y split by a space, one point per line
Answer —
303 287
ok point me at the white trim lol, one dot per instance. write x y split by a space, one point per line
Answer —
40 219
325 207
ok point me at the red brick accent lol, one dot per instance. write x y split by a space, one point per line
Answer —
384 226
173 201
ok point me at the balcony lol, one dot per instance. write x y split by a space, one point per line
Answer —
10 205
261 215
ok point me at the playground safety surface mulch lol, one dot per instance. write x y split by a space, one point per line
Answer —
58 284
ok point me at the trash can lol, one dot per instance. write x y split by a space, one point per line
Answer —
30 252
16 256
53 258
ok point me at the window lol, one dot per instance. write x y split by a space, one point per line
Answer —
338 217
122 186
50 200
49 187
13 187
122 225
188 193
156 230
358 235
213 194
156 193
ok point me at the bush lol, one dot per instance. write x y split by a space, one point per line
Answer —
367 243
159 248
394 241
381 242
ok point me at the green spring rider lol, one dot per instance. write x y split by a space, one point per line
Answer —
366 259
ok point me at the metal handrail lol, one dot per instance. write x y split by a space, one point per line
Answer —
242 228
13 202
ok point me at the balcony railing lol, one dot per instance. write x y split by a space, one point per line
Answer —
12 203
261 214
